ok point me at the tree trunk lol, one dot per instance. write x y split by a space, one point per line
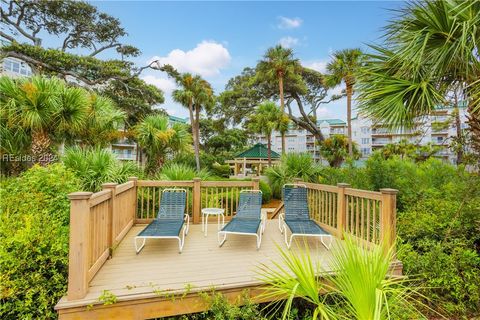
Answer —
282 107
349 118
40 148
458 127
196 141
269 150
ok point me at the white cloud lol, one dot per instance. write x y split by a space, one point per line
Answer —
164 84
288 42
323 113
206 59
318 65
289 23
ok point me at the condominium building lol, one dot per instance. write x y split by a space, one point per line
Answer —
437 129
300 140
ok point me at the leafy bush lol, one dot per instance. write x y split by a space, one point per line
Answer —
221 309
266 191
221 170
292 165
180 171
34 235
95 166
439 241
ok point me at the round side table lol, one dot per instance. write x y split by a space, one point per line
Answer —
206 212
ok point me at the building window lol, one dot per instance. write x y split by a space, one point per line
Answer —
365 130
365 151
365 140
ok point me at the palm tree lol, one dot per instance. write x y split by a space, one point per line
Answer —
279 64
157 137
266 119
335 150
103 121
194 93
344 67
45 108
430 51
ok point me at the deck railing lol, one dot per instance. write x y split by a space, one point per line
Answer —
369 216
99 221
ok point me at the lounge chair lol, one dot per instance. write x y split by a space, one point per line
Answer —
297 218
170 221
248 220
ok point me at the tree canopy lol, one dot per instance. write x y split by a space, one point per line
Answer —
80 27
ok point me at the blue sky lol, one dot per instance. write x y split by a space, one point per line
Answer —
219 39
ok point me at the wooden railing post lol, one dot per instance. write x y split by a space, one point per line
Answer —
78 257
135 192
112 211
197 200
341 209
256 183
388 217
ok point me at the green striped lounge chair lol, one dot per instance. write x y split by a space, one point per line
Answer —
171 221
297 217
248 219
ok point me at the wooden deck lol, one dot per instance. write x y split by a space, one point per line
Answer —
160 271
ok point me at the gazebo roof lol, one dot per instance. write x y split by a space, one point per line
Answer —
258 151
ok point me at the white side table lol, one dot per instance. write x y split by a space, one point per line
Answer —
212 212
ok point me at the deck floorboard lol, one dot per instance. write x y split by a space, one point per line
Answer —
202 265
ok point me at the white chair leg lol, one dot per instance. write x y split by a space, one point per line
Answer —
259 240
187 217
329 245
220 243
290 243
137 250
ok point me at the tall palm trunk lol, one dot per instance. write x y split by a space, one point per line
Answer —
282 107
349 118
269 149
40 148
196 141
459 133
193 124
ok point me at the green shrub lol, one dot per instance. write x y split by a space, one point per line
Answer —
180 171
95 166
266 191
221 170
292 165
34 235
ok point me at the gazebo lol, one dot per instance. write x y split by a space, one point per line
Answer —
252 161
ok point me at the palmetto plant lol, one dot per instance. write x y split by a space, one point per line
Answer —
157 137
180 171
292 165
267 118
344 67
279 64
50 112
360 288
95 166
431 50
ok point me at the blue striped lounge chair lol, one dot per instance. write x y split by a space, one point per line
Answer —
297 217
171 221
248 220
